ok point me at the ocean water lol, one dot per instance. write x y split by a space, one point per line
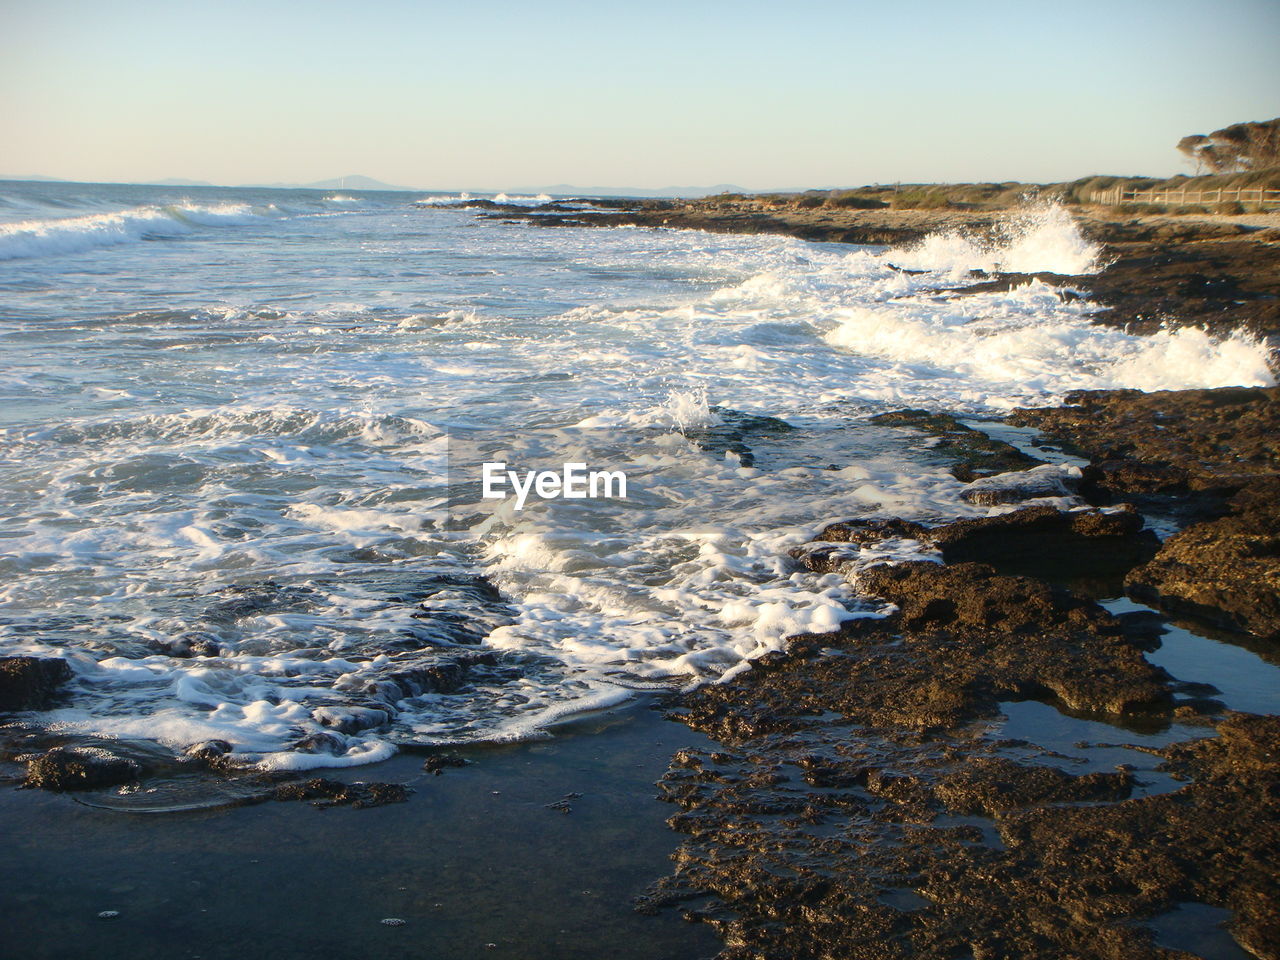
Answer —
229 433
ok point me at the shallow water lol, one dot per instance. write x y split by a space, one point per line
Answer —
475 865
233 424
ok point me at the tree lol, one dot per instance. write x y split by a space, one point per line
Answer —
1241 146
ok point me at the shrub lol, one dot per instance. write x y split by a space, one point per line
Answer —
852 199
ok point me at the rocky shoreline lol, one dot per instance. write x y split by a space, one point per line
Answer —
879 791
1217 272
870 800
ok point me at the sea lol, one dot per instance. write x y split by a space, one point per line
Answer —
239 430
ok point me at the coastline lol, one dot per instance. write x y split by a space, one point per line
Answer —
915 786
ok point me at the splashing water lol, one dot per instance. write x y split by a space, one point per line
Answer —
1043 238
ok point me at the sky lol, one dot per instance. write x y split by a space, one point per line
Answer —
501 95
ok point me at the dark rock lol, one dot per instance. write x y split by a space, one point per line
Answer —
866 532
1206 453
322 792
352 719
63 769
1002 488
30 683
320 743
437 763
1225 571
194 644
1050 543
208 750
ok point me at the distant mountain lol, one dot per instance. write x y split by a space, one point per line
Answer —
353 182
569 190
36 176
180 182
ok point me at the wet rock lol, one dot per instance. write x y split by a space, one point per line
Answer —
866 532
989 785
240 601
1224 571
1193 439
1050 543
30 683
1039 540
1211 458
1001 488
439 676
971 452
322 792
80 769
439 762
733 430
353 719
320 743
194 644
208 750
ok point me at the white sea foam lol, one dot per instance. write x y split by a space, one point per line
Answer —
1044 238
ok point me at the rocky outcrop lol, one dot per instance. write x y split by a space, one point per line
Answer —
30 683
1041 540
1209 458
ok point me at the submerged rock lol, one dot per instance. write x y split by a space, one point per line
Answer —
972 453
439 762
322 792
30 683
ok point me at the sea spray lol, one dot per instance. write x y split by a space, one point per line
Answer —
1040 238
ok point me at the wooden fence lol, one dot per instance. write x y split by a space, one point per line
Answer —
1176 196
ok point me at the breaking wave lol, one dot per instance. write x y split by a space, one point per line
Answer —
68 235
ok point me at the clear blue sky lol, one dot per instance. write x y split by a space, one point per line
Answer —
504 94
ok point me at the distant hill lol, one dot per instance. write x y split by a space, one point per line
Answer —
180 182
35 176
352 182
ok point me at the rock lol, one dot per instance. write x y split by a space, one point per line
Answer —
973 595
84 769
323 792
866 532
29 683
1197 455
1040 540
1224 571
972 453
1050 543
437 763
351 720
208 750
320 743
1001 488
